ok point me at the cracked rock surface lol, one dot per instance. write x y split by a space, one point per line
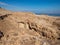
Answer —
25 28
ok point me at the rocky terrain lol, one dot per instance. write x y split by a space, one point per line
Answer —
25 28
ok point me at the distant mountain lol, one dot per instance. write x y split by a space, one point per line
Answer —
0 7
50 14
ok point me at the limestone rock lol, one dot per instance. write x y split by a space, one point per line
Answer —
24 28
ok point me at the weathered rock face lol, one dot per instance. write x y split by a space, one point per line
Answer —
22 28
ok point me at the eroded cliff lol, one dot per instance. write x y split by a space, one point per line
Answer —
25 28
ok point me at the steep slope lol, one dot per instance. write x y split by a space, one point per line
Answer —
23 28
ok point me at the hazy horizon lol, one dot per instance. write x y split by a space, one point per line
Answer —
36 6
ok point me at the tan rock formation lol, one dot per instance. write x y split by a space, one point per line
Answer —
24 28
